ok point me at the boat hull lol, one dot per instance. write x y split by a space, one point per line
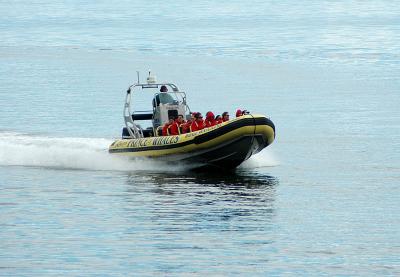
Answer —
225 145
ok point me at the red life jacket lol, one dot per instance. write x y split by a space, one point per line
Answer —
165 131
210 119
210 122
186 127
174 129
196 126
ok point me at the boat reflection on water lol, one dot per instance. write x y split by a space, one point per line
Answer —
204 197
232 181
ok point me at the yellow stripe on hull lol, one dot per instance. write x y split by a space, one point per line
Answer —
198 141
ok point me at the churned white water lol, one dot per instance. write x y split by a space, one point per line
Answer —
68 153
266 158
86 154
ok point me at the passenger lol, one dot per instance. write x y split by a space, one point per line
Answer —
163 89
198 124
210 119
165 129
186 125
181 122
218 119
225 116
181 119
239 113
174 128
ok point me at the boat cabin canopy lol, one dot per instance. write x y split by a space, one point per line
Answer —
167 101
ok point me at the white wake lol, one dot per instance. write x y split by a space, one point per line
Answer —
266 158
18 149
70 153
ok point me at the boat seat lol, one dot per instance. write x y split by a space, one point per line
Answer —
148 132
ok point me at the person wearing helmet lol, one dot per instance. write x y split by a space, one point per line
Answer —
210 119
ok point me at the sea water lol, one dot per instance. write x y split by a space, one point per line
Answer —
323 199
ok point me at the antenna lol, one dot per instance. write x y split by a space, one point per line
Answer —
138 80
151 79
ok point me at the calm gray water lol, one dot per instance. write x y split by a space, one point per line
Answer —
323 200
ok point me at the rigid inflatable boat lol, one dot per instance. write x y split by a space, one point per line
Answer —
225 145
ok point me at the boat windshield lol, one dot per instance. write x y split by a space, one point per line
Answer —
165 98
